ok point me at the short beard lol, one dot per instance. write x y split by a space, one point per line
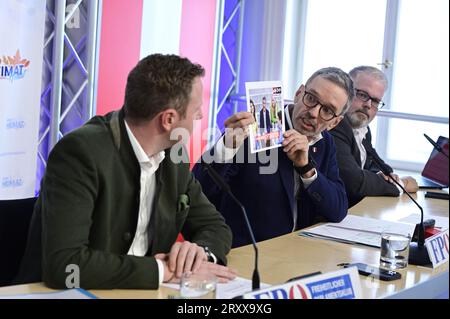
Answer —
356 121
306 133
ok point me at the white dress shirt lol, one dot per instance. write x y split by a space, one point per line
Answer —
360 134
149 165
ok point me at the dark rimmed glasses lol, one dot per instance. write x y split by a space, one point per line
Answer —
326 112
364 96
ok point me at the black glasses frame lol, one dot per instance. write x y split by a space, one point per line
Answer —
318 102
364 96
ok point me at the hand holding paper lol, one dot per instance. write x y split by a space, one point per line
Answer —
296 147
236 129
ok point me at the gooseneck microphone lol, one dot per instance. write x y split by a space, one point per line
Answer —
418 254
436 146
219 181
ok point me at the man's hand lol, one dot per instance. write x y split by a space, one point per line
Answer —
169 276
184 257
223 274
236 129
410 183
296 147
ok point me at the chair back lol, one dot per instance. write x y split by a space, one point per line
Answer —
15 216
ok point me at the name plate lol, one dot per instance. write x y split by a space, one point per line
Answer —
341 284
437 247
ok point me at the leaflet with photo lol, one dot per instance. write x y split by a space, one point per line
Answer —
265 102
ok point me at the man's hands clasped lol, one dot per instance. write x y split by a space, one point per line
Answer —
185 257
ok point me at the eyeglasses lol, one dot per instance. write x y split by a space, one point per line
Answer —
326 112
364 96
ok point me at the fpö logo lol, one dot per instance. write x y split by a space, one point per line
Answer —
11 182
13 67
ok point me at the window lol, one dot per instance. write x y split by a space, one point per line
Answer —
412 35
344 33
420 80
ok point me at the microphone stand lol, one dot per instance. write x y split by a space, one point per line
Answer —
418 254
219 181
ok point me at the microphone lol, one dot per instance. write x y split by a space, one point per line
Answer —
418 254
436 146
219 181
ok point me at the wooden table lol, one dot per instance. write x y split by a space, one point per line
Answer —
292 255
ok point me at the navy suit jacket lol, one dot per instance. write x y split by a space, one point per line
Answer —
269 199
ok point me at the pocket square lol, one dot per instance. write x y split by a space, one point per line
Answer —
183 202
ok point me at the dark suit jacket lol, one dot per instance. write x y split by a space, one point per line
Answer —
359 182
89 204
269 198
265 114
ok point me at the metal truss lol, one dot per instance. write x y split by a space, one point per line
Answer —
69 83
227 53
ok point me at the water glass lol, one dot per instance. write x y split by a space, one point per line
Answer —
394 251
198 286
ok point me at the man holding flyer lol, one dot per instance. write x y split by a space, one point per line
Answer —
292 186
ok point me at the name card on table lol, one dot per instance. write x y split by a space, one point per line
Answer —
437 247
341 284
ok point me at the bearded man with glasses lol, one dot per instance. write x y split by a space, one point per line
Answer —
305 187
362 177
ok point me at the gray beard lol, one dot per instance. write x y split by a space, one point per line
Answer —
356 121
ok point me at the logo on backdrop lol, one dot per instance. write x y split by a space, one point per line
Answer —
15 124
11 182
13 67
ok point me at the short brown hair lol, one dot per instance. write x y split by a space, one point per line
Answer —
158 82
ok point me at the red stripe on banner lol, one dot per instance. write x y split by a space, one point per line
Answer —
197 43
120 42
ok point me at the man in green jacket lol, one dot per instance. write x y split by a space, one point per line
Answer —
114 199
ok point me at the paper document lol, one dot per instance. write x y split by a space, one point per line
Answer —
265 103
77 293
361 230
233 288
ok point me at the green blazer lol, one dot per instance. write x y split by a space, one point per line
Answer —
89 203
